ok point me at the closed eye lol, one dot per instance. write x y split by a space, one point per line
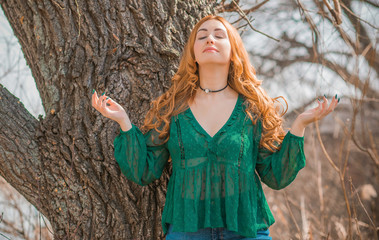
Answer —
205 37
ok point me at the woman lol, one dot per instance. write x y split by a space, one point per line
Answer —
221 130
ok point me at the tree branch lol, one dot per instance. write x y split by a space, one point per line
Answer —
19 152
314 57
234 7
363 44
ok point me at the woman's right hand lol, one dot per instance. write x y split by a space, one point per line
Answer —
109 108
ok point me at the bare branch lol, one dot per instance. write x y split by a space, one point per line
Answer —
363 43
336 13
312 25
291 213
242 13
357 17
314 57
256 7
374 227
232 7
374 4
324 150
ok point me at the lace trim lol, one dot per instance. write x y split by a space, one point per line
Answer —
182 153
242 143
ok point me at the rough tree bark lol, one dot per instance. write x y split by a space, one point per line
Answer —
63 163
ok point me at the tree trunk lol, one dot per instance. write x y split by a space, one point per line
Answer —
63 163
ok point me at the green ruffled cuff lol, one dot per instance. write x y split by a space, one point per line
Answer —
296 137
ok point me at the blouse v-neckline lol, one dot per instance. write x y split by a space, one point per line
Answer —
228 122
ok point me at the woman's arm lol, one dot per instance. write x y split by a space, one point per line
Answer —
278 169
141 159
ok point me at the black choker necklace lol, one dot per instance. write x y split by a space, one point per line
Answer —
207 90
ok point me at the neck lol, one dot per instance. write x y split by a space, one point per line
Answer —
213 77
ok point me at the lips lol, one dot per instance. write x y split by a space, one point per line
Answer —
210 49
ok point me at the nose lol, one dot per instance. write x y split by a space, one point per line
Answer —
210 39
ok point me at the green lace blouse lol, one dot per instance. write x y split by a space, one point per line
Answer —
214 182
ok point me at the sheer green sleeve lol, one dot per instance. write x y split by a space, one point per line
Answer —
278 169
141 160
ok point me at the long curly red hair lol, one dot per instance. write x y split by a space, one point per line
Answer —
241 78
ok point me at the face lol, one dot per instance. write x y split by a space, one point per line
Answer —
212 44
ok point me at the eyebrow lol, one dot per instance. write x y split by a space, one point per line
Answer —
216 29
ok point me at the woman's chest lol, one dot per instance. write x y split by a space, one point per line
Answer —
191 146
213 118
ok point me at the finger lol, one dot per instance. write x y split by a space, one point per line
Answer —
334 103
337 100
321 110
100 100
103 106
324 105
318 102
103 101
319 107
331 106
108 102
94 100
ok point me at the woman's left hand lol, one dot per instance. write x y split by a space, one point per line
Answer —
313 115
319 112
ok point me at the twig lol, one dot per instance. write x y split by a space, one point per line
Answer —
244 28
320 191
354 210
314 29
341 174
304 221
324 150
242 13
5 236
360 19
360 202
256 7
336 13
47 226
291 214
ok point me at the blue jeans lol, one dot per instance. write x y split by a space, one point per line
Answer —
214 234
